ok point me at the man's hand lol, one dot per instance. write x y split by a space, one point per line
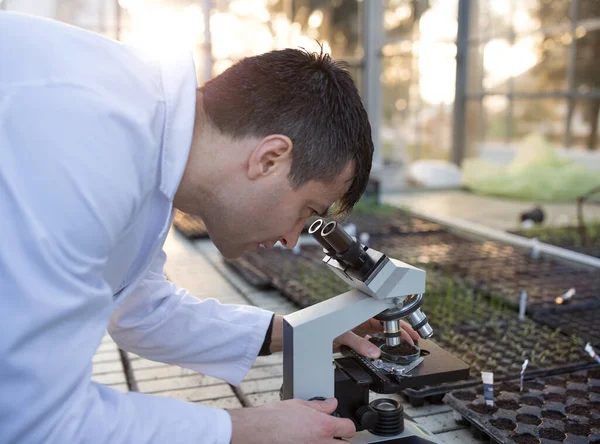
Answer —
358 338
290 422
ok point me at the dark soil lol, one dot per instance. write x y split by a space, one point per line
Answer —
555 397
552 414
503 424
465 395
576 394
594 374
577 409
578 378
402 349
533 385
526 438
551 433
577 429
483 409
508 404
508 387
528 419
594 422
531 400
595 389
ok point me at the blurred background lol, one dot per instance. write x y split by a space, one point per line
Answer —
441 79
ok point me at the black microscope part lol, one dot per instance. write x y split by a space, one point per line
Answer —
340 246
390 417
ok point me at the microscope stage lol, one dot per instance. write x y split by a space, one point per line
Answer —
438 367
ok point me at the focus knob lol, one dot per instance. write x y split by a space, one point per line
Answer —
366 417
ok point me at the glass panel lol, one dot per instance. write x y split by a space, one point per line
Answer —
550 14
437 71
161 27
498 65
473 127
475 69
546 117
589 9
485 123
585 121
337 24
401 18
493 18
494 126
436 126
242 28
587 66
539 63
439 22
525 17
398 130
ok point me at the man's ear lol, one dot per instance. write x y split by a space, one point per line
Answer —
272 155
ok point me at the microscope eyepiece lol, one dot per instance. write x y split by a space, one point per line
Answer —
341 246
337 237
315 229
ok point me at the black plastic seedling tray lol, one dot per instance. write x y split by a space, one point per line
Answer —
397 222
251 273
581 321
556 409
289 272
501 348
192 227
497 269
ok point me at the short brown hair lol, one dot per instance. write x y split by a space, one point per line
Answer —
306 96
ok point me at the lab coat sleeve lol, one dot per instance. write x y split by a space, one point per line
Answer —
163 322
67 187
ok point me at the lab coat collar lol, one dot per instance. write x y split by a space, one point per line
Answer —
179 85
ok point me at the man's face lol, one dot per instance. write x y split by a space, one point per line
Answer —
273 211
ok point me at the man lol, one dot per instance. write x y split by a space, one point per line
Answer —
98 144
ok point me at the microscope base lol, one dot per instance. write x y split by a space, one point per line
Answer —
412 434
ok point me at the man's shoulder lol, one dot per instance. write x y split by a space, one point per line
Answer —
44 51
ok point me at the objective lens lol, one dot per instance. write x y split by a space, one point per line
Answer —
418 321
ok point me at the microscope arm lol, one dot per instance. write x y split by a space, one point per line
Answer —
308 335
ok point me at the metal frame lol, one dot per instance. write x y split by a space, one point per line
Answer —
373 42
462 75
482 231
463 97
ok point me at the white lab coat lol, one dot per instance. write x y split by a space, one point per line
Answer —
94 139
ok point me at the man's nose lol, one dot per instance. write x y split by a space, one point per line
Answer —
291 239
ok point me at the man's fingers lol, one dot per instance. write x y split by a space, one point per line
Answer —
360 345
404 335
344 428
328 406
411 331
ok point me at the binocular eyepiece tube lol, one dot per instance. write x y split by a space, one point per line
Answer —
340 245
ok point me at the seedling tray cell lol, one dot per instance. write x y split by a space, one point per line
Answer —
563 409
192 227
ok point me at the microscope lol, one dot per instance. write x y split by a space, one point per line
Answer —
389 291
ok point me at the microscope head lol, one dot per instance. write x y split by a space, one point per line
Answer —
372 272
